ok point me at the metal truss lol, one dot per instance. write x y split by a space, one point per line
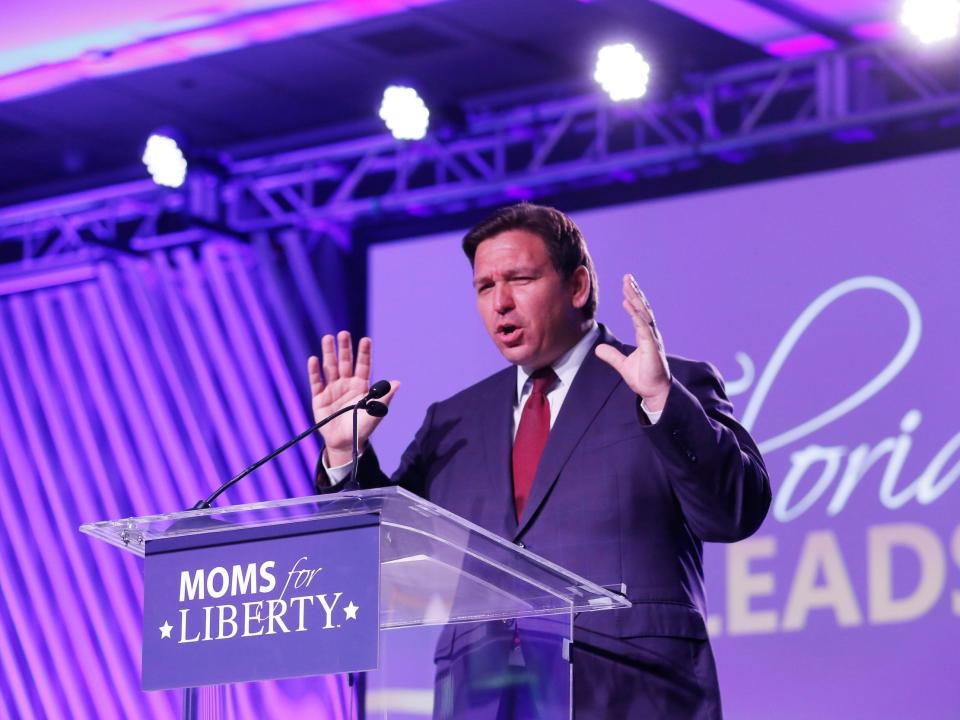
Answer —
509 151
115 217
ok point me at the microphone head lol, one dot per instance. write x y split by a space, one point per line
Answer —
379 389
375 408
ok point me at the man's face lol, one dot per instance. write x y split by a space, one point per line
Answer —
530 311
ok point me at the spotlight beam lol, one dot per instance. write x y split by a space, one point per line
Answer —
165 160
404 113
622 72
931 21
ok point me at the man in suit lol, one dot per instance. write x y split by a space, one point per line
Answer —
615 461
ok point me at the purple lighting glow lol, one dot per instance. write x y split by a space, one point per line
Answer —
875 30
738 18
106 37
780 36
800 45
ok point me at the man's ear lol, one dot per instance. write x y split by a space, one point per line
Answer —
580 286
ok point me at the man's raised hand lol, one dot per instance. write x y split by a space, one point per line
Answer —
335 382
645 370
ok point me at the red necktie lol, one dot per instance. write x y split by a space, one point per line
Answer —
531 436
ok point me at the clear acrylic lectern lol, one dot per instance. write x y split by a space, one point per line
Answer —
472 626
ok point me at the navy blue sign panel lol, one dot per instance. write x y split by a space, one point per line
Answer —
235 605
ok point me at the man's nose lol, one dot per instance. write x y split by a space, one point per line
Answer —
502 298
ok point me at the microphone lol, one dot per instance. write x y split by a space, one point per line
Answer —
368 402
377 391
374 407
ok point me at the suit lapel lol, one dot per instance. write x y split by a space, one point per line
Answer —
592 385
497 424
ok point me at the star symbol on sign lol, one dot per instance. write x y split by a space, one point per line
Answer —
351 611
165 630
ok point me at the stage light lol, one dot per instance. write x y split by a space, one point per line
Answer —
931 20
622 72
165 160
404 112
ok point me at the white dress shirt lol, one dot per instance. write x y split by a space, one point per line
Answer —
565 367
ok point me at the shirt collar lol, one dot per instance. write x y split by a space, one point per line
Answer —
566 365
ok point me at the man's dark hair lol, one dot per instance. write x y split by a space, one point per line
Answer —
565 244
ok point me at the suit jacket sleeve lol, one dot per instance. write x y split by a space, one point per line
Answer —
410 475
714 466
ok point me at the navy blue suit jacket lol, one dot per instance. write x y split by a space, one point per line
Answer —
615 499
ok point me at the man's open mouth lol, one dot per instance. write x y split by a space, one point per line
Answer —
508 332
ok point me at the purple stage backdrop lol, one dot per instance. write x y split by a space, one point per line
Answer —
135 387
830 304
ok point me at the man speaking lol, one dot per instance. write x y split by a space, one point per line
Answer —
616 462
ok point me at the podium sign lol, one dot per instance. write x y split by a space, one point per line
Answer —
242 604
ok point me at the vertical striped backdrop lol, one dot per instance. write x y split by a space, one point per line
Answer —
136 389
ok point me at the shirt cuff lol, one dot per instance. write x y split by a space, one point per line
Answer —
652 416
337 474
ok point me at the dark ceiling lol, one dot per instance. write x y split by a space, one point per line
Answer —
325 86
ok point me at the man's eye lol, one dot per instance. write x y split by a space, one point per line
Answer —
484 287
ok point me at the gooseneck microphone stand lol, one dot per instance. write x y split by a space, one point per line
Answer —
191 696
369 402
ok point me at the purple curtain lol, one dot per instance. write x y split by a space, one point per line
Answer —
136 389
